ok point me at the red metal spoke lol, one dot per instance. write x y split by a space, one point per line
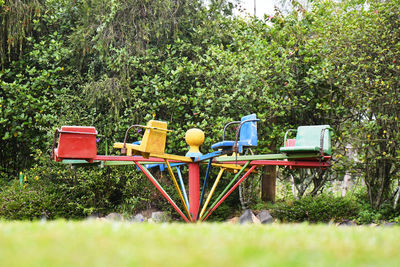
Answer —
162 191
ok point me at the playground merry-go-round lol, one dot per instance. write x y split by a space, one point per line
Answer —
311 148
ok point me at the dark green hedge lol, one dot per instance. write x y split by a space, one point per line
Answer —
323 208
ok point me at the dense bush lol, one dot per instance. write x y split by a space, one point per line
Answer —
54 190
322 208
368 214
36 200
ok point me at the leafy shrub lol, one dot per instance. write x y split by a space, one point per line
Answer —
368 214
222 213
322 208
30 202
55 191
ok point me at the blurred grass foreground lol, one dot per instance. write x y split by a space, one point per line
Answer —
102 243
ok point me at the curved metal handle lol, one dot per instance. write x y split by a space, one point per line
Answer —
226 125
321 144
123 149
286 134
56 134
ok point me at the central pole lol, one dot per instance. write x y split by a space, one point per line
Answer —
194 189
194 138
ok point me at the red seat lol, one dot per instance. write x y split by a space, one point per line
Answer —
76 142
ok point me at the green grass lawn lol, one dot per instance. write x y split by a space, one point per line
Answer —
99 243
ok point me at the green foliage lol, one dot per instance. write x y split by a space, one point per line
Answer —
385 213
37 198
322 208
368 214
17 19
132 25
221 214
363 55
57 191
33 99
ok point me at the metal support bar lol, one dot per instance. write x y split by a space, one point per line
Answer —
230 191
203 190
304 164
212 155
221 171
290 163
178 170
131 158
227 187
267 157
194 189
162 191
171 173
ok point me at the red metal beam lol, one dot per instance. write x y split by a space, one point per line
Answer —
294 163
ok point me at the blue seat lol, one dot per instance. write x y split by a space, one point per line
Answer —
247 131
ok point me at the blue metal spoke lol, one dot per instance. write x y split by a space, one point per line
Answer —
178 170
204 184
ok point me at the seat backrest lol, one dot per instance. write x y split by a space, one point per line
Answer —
290 142
153 139
311 136
248 132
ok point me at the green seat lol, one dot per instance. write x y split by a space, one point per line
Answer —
310 139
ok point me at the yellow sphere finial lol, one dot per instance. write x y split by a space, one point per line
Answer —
194 138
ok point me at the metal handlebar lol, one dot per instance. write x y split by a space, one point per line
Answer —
321 144
123 149
226 125
54 143
286 134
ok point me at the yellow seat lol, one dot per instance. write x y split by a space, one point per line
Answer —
153 141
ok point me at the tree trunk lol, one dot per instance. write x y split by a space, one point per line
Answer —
268 183
345 184
293 186
347 176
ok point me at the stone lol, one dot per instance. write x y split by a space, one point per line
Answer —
265 217
233 220
43 219
248 217
160 217
138 218
93 216
389 224
115 217
255 219
148 212
347 223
